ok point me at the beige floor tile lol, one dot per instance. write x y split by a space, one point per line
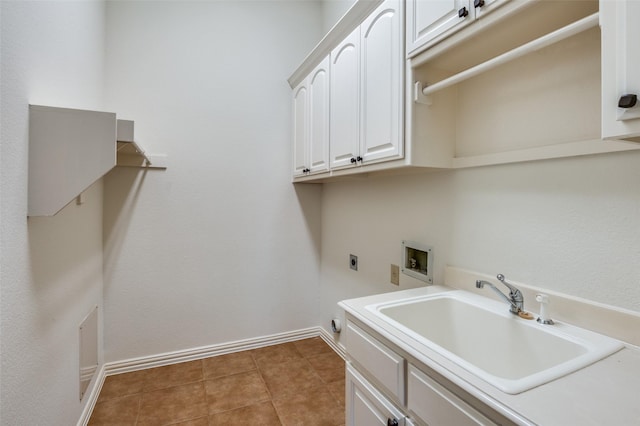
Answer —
262 414
302 380
172 405
338 390
122 384
173 375
230 392
311 407
117 411
200 421
289 378
329 366
275 354
226 365
312 347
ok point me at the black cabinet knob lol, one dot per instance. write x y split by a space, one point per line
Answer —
462 13
628 101
359 158
392 422
478 3
353 160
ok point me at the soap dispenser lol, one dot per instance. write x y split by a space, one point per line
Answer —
544 306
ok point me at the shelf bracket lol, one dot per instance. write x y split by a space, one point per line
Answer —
418 96
129 153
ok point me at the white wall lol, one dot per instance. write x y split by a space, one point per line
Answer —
51 273
220 246
370 218
570 225
332 11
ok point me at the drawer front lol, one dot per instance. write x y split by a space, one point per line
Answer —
380 361
435 405
366 406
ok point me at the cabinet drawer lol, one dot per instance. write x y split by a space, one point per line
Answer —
366 406
435 405
380 361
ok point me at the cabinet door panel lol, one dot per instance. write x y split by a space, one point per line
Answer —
435 405
365 406
300 128
620 67
488 6
427 19
319 118
381 59
383 363
345 93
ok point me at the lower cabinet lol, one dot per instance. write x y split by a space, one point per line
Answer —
367 406
376 394
436 405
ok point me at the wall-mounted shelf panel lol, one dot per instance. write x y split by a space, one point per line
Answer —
69 149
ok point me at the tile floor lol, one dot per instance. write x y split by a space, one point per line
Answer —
298 383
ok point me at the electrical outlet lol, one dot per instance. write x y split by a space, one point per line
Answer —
395 274
353 262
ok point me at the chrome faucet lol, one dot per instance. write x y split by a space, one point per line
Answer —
515 298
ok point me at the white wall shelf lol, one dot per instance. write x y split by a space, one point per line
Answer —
69 150
130 153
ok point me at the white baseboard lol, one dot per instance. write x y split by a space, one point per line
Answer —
92 397
169 358
329 340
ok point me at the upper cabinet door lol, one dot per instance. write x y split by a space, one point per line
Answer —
300 128
482 7
318 148
620 28
344 99
381 126
427 19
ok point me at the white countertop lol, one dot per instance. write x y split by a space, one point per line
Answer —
604 393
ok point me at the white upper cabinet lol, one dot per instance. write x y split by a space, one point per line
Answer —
431 20
427 19
300 128
311 122
345 101
319 117
482 7
381 116
620 69
366 91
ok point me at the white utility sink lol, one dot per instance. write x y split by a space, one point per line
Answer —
482 336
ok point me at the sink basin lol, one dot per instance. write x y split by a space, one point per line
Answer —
481 336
